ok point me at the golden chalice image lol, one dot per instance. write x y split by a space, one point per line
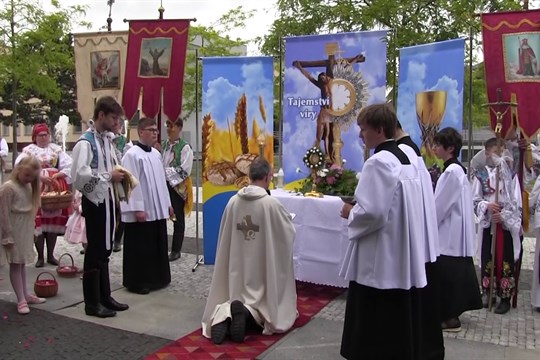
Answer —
430 108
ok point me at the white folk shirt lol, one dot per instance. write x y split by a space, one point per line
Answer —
387 249
509 198
51 156
431 232
455 215
151 195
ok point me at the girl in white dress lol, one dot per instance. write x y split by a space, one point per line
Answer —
19 201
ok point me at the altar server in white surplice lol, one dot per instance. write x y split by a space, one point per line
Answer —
459 287
146 261
386 258
253 283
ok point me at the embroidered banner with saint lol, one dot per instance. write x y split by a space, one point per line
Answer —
155 64
511 43
100 60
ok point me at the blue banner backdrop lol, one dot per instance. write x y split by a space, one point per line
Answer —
328 79
430 91
238 123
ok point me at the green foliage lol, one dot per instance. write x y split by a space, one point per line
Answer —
37 60
412 23
210 41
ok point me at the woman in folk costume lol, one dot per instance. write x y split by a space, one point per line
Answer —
177 158
506 214
457 239
55 176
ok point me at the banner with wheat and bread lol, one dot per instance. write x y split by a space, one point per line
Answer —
237 128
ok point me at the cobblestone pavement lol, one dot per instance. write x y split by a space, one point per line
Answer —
45 335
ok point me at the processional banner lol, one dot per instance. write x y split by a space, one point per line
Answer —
328 80
511 41
237 127
155 65
430 92
100 60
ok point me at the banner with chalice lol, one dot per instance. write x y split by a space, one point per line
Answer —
430 92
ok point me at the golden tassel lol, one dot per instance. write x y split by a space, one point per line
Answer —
188 206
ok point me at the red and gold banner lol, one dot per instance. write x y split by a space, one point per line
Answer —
511 43
155 63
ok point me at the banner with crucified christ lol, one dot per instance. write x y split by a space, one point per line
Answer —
328 80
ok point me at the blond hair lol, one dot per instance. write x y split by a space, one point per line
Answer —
32 164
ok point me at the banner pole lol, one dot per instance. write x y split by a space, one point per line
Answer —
396 54
199 260
470 127
280 102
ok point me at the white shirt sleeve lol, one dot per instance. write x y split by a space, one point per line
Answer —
4 150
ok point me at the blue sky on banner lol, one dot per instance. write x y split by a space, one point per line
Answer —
298 132
436 66
229 78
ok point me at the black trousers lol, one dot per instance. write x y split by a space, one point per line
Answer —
180 224
96 284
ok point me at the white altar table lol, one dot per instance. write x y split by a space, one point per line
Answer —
321 237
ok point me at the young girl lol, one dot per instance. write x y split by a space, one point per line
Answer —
76 226
19 201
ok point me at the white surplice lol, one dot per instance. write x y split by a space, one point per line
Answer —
455 215
254 263
151 195
431 232
385 226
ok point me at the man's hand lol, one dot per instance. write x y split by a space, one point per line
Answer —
171 212
140 216
117 176
497 217
523 144
345 210
494 207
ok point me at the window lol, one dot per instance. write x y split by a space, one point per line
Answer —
27 130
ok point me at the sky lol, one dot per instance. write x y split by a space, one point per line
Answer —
206 12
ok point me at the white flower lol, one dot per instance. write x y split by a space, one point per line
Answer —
326 170
344 161
321 173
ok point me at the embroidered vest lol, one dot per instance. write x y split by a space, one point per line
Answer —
89 136
177 150
120 143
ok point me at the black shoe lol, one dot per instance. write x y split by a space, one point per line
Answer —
117 247
112 304
52 261
40 263
451 325
82 252
503 306
99 311
238 322
174 255
219 332
538 309
140 291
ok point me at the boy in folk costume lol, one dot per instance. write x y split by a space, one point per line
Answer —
459 290
95 175
504 210
177 158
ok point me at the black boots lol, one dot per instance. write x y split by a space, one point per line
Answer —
98 311
105 290
238 321
503 307
97 293
174 255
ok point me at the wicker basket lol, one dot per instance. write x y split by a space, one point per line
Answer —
66 270
46 288
56 202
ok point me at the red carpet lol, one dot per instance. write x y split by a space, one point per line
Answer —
311 299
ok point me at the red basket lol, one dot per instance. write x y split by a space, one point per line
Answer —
46 288
66 270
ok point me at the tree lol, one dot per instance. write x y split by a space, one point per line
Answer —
34 52
416 22
210 42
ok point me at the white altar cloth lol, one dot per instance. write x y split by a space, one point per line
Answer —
321 237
